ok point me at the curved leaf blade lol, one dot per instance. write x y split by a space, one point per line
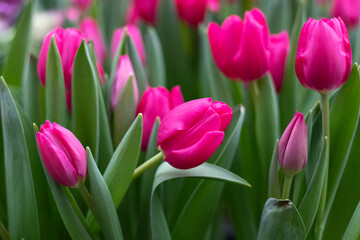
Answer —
352 231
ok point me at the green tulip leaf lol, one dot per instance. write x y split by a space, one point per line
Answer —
14 70
104 208
23 219
352 231
274 185
280 220
55 88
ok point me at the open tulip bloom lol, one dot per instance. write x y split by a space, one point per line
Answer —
179 119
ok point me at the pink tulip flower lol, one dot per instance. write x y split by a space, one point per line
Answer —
348 10
191 11
147 9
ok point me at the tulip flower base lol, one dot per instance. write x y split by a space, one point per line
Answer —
151 113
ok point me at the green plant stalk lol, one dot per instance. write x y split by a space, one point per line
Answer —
86 196
254 91
3 232
325 133
287 187
155 160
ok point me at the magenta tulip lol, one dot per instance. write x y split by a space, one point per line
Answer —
348 10
147 9
93 33
63 155
292 149
323 58
191 11
279 47
156 102
67 41
132 15
122 75
240 49
82 4
135 34
190 133
213 5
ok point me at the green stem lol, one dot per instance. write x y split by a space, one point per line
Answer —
148 164
77 209
325 133
287 187
3 232
254 90
86 196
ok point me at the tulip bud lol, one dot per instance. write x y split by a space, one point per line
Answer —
82 4
101 72
132 15
135 34
213 5
156 102
190 133
323 57
241 50
122 75
292 149
348 10
147 9
279 47
63 155
93 33
191 11
67 41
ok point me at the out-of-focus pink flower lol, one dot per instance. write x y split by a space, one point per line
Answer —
9 11
191 132
348 10
67 41
280 47
323 57
123 73
156 102
147 9
191 11
132 15
63 155
93 33
134 32
292 149
240 49
82 4
72 13
101 72
213 5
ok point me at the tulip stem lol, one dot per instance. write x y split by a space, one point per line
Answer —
3 232
155 160
325 133
86 196
254 90
287 187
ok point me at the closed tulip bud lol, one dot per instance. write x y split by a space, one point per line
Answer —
323 58
93 33
63 155
279 47
191 11
240 49
82 4
348 10
132 15
67 41
135 34
123 72
190 133
292 149
147 9
156 102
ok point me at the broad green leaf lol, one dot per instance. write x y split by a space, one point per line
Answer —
31 93
23 219
114 15
155 59
198 204
55 88
20 48
280 220
353 229
166 172
85 104
147 179
3 210
124 112
267 127
310 202
274 185
104 209
139 70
